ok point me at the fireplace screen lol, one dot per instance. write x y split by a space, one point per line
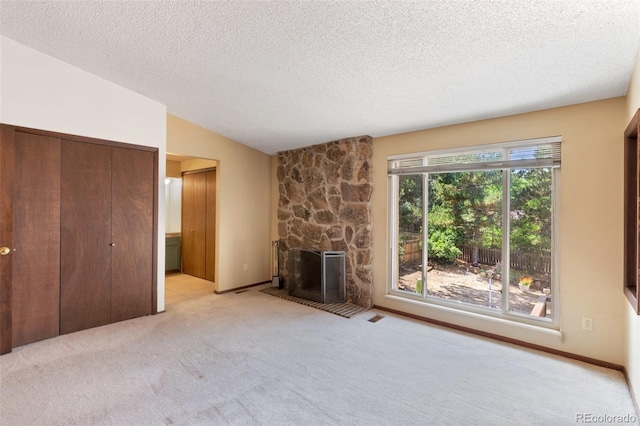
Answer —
317 275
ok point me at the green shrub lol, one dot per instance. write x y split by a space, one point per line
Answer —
442 246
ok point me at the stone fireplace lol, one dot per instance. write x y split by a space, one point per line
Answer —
325 204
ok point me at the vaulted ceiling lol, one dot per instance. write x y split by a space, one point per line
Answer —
277 75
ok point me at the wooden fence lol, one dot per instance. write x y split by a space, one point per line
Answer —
522 261
539 263
412 253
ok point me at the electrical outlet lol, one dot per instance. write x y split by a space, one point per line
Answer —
587 323
246 267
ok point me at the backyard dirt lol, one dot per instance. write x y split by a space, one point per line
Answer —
464 283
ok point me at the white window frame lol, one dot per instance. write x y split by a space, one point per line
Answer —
395 170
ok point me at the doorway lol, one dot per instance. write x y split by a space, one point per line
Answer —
191 226
180 287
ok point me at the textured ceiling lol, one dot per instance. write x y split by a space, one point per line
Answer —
279 75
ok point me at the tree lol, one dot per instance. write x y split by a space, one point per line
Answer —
473 201
465 209
531 210
410 203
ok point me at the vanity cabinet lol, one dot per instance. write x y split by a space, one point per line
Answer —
172 254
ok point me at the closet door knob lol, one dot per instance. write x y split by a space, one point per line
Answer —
112 244
4 251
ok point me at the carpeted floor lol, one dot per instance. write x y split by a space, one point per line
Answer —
252 359
346 310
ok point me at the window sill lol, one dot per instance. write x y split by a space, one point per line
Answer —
467 319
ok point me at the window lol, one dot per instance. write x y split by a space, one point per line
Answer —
474 228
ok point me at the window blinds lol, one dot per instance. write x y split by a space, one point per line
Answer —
532 153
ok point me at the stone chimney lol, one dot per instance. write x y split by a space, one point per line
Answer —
325 204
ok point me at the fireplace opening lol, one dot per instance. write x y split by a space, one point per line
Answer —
317 275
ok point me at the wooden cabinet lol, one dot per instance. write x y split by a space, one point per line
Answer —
198 223
632 213
79 216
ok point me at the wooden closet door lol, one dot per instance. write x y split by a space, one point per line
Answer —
187 225
199 215
132 230
194 220
7 146
85 270
210 224
36 268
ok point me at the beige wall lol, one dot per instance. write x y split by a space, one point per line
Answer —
632 321
633 94
197 164
244 196
275 198
173 169
589 222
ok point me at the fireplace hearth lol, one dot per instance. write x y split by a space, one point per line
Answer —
317 275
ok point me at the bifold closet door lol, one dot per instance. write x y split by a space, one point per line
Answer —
36 228
85 267
194 224
187 225
210 224
7 163
132 233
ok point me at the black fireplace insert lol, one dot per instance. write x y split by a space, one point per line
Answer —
317 275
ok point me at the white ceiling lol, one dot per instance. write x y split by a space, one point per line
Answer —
286 74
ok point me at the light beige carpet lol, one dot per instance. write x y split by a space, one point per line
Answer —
346 310
254 359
